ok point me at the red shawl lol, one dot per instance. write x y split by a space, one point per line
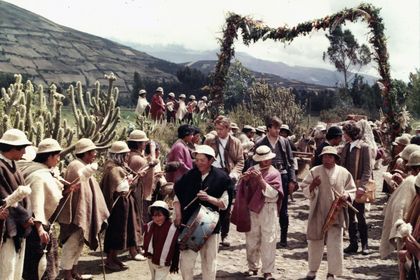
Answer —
249 197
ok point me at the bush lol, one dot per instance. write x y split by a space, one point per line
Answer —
338 114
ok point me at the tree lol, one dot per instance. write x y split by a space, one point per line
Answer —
138 84
345 52
413 98
238 81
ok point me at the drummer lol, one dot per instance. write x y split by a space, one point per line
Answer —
191 185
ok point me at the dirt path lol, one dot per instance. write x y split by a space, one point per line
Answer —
291 263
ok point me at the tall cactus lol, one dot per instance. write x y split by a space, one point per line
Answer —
27 109
97 116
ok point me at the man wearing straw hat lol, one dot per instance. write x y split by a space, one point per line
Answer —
322 186
84 212
255 212
45 188
210 185
17 226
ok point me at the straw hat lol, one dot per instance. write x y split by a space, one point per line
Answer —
171 94
263 153
48 145
204 98
119 147
142 91
414 159
15 137
159 204
417 129
204 149
192 97
84 145
138 136
234 126
330 150
402 140
182 95
248 128
159 89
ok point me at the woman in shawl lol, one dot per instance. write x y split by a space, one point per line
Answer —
124 230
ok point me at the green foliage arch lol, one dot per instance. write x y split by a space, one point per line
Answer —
255 30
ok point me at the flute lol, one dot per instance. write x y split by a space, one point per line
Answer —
247 173
348 203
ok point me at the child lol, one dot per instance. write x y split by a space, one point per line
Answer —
160 242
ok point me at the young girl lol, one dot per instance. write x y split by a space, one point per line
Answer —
160 242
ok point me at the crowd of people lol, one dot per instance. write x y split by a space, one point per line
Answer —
152 209
173 110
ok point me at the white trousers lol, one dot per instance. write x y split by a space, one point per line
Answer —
72 249
334 251
261 240
208 254
158 272
11 262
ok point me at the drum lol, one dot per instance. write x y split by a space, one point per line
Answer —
198 229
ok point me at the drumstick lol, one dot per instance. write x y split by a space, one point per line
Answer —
192 201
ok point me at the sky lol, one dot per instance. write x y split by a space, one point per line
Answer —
196 25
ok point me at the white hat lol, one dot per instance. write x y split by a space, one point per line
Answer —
417 128
320 127
414 159
119 147
138 136
160 89
330 150
159 204
142 91
233 126
171 94
408 150
285 127
417 183
204 149
48 145
15 137
84 145
402 140
192 96
263 153
204 98
250 128
261 128
182 95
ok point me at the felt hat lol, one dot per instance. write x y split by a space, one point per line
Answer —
330 150
333 132
263 153
138 136
402 140
48 145
84 145
414 159
204 149
159 204
119 147
15 137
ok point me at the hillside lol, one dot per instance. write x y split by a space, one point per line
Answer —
309 75
49 52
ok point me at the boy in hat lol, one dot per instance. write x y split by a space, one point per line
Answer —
15 226
143 105
157 108
317 187
160 242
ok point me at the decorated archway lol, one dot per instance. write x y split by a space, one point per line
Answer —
255 30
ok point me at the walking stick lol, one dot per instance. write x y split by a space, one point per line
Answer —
102 255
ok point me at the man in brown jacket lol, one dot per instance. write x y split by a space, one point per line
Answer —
356 158
230 158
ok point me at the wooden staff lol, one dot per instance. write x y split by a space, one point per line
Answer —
348 203
192 201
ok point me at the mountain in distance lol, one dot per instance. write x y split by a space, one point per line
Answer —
48 52
309 75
